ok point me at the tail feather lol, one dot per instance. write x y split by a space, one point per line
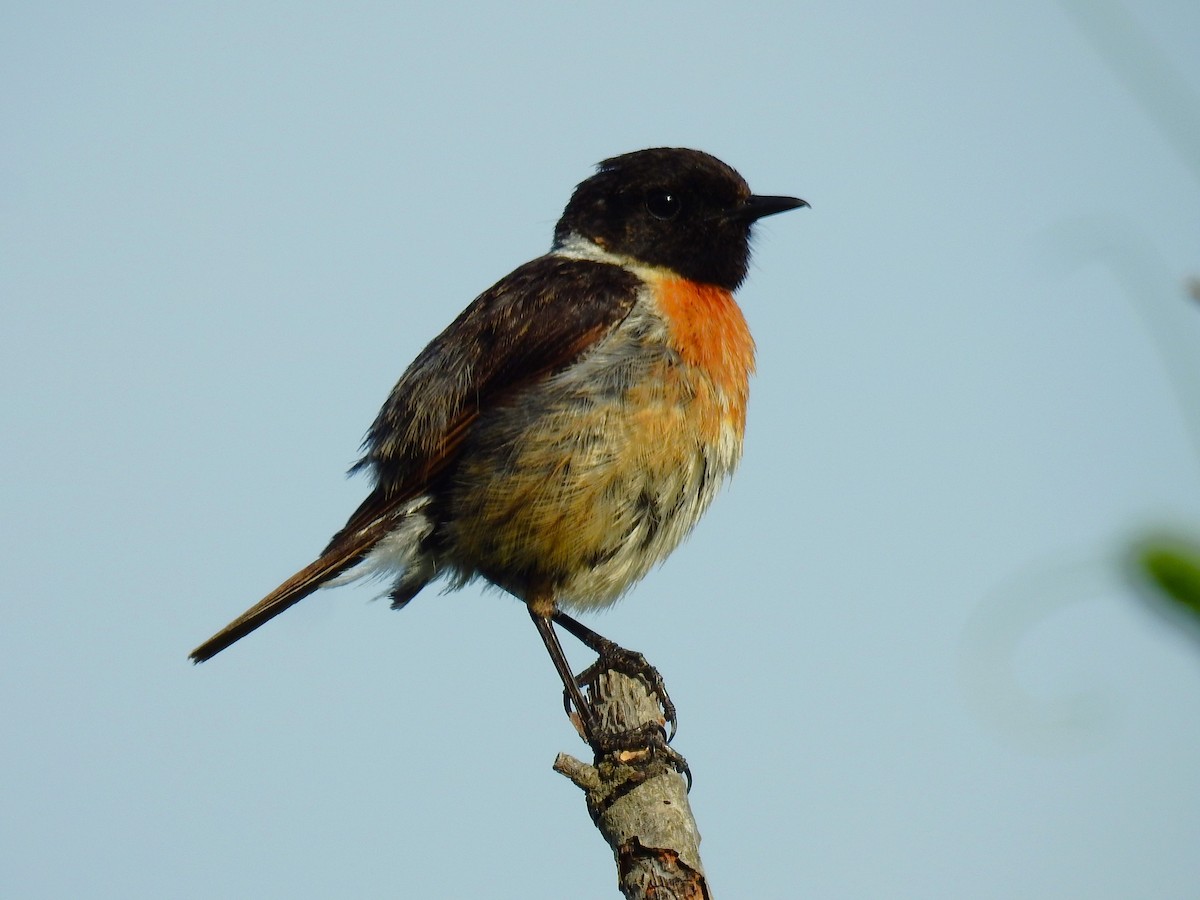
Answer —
339 557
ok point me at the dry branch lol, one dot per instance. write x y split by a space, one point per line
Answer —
637 797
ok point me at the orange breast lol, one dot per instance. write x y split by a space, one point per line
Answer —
710 332
598 472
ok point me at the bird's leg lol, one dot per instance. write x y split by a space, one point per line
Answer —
611 658
587 717
616 658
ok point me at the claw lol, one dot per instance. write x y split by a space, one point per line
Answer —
610 657
613 657
649 737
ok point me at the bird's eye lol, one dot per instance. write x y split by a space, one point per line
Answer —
663 204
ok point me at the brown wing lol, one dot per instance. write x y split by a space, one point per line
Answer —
535 322
529 325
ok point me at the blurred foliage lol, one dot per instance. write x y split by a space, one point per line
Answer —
1174 568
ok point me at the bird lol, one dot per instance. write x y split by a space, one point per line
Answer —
569 428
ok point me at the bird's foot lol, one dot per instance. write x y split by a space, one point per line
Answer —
615 658
648 739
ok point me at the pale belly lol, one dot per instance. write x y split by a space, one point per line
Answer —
580 488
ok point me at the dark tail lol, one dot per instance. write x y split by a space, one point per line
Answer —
340 556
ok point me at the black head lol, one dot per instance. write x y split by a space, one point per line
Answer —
680 209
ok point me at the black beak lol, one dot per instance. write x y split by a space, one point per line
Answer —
756 207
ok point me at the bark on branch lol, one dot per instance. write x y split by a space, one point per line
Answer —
637 798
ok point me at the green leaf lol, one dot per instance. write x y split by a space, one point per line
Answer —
1176 572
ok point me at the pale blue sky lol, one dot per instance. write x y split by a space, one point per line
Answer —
906 661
